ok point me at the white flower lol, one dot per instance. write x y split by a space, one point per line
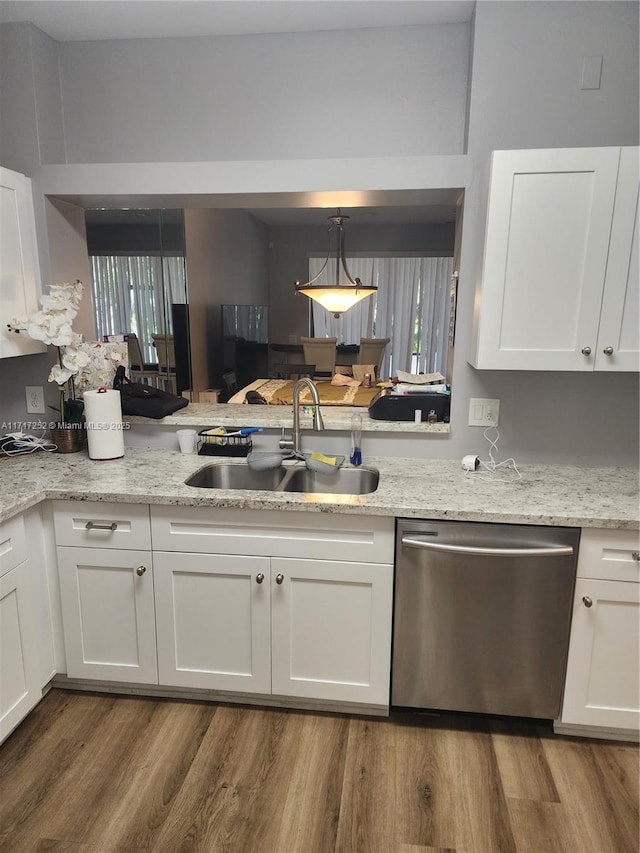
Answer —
74 359
60 374
19 323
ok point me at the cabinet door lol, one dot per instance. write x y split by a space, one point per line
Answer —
618 341
213 621
19 682
602 685
108 614
331 630
19 269
547 239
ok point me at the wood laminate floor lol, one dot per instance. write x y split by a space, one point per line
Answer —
91 773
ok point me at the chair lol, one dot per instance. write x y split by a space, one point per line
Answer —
166 360
372 352
137 367
322 353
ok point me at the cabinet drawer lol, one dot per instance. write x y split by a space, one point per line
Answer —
610 555
278 534
13 544
102 525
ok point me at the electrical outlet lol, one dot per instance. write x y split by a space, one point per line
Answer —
35 399
483 412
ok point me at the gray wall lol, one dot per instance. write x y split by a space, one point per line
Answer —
226 255
524 92
373 92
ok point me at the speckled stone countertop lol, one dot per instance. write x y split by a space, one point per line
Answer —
276 417
553 494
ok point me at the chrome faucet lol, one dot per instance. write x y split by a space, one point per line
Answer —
293 443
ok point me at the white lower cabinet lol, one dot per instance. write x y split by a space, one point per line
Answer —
602 688
263 603
212 616
314 629
19 677
108 614
331 630
288 604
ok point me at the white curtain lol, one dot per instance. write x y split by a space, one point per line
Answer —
134 293
433 315
411 308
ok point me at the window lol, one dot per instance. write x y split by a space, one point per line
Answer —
134 293
411 307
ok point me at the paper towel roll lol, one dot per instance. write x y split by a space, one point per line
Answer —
103 414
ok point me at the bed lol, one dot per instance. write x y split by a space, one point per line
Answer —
279 392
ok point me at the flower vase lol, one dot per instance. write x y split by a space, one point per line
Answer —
68 438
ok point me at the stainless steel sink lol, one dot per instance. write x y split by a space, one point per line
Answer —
344 481
227 476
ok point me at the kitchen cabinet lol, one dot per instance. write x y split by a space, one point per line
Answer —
276 604
19 266
331 630
261 603
212 615
106 591
20 687
602 689
560 270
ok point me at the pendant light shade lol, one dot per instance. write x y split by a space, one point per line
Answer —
336 297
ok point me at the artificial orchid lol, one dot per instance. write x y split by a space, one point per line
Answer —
52 325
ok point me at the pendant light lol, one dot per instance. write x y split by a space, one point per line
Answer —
336 297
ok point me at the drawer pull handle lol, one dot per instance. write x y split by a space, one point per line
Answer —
279 578
91 525
259 577
141 570
587 601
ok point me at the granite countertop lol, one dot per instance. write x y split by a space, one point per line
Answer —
546 494
276 417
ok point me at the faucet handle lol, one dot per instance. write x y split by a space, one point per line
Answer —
285 443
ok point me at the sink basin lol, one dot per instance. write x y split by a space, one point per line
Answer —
236 477
344 481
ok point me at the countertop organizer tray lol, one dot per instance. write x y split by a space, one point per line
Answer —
223 445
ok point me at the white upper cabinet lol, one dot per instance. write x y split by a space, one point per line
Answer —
559 285
618 336
19 268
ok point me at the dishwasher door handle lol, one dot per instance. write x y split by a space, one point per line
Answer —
430 545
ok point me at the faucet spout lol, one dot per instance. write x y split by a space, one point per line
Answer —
318 423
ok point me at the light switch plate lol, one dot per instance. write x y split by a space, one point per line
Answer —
483 412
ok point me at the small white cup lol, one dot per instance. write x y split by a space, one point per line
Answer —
187 439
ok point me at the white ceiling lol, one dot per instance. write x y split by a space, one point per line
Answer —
89 20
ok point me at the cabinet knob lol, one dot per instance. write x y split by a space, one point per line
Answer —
586 350
259 577
141 570
587 601
608 350
279 578
635 555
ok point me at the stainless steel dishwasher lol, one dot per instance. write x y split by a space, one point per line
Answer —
481 616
